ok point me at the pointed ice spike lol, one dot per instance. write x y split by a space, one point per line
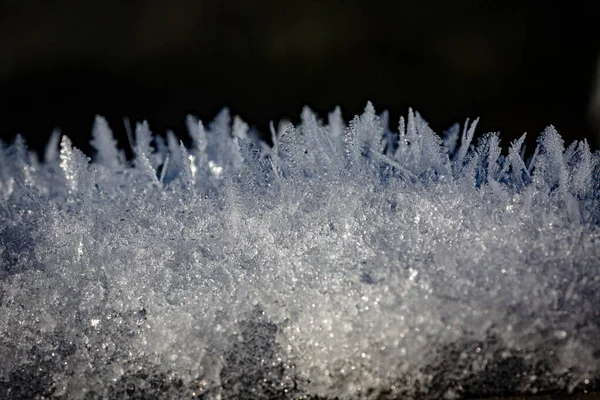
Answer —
451 139
18 151
6 172
175 156
66 153
274 159
129 134
550 166
240 128
569 153
191 124
385 118
142 162
163 171
432 155
310 131
389 142
221 125
143 138
467 138
516 161
74 165
352 146
402 150
187 167
51 153
336 124
292 147
372 129
362 135
174 149
411 139
402 127
309 121
18 158
104 144
219 139
492 157
469 170
197 133
274 138
236 157
411 127
4 169
583 174
201 142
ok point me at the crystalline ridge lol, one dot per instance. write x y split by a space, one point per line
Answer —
342 261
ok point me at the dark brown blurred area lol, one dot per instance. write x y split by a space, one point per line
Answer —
519 65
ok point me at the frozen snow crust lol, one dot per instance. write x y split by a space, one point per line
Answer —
343 261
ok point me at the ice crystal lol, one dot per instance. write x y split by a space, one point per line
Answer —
343 261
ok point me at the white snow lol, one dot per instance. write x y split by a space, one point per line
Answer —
345 260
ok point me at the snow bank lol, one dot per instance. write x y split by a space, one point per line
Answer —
346 261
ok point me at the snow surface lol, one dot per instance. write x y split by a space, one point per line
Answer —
345 260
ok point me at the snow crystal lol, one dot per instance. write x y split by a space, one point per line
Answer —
344 261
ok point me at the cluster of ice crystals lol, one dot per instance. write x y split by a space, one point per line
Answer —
343 261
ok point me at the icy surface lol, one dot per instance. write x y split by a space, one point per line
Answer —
344 261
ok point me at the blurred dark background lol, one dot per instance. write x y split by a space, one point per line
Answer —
519 65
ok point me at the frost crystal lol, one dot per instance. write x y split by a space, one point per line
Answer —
345 261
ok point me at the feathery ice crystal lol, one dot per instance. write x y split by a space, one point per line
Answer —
347 261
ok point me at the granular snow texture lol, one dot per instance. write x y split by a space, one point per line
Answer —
344 261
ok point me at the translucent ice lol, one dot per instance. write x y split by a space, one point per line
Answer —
344 261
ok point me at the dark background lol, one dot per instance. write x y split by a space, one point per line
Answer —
519 65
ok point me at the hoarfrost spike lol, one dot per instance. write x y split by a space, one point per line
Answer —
104 144
52 152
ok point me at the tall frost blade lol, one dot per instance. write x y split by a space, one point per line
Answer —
219 140
51 153
345 261
240 140
146 169
583 170
451 138
187 173
371 132
432 155
104 144
493 158
292 147
318 144
336 127
520 174
5 175
550 171
143 139
198 134
75 168
467 138
17 161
